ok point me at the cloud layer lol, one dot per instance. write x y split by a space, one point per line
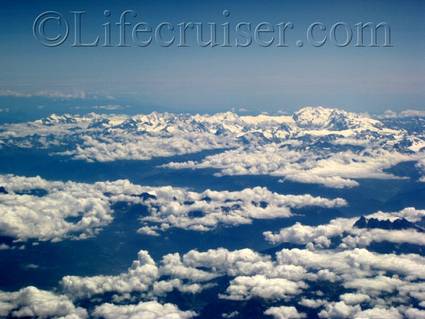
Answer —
34 208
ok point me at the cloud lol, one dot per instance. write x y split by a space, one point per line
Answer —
371 278
34 208
139 278
53 94
403 114
312 303
341 262
342 310
371 285
184 273
48 94
351 236
35 303
413 313
337 170
339 310
105 138
421 166
103 107
62 210
127 147
203 211
284 312
145 310
318 235
354 299
259 286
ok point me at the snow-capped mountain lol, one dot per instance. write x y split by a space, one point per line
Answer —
308 120
319 130
320 118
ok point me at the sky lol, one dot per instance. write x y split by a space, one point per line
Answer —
210 79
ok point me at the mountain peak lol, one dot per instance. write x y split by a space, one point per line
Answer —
324 118
397 224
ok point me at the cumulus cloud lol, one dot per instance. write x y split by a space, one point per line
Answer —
144 147
354 299
190 273
340 262
413 313
373 279
203 211
284 312
60 209
337 310
312 303
246 287
372 285
34 303
342 310
145 310
34 208
337 170
351 236
139 278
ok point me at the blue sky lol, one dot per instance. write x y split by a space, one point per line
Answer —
214 79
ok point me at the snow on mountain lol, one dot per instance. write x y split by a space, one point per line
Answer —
333 119
316 134
313 121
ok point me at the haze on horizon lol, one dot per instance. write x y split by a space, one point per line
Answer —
369 79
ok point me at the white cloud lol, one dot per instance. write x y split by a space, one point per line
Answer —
47 217
372 284
312 303
405 113
58 95
413 313
338 310
106 107
321 235
35 303
379 313
354 299
337 170
304 234
247 287
139 278
189 273
342 262
284 312
204 211
142 147
78 210
145 310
